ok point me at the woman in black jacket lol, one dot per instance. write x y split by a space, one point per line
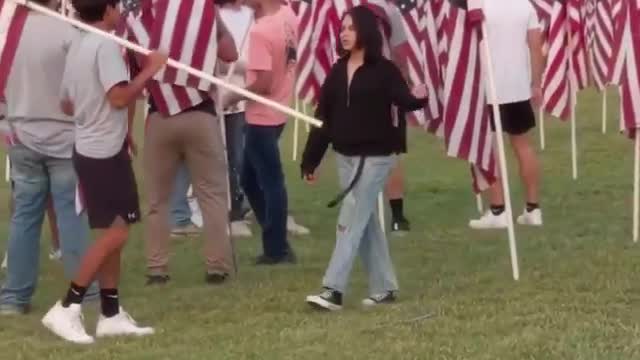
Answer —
356 108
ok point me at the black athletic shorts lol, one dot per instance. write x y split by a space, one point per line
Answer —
517 117
108 188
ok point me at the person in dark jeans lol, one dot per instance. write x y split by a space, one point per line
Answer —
271 64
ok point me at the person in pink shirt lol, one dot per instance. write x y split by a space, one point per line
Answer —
271 63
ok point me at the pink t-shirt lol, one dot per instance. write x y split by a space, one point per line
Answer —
273 43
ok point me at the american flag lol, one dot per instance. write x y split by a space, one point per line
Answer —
578 43
186 30
414 28
467 132
557 88
307 84
432 67
625 66
12 20
599 40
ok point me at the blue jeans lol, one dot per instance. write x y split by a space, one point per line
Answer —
264 186
35 176
358 230
235 132
179 205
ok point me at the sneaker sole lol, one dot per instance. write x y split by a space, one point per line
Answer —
125 334
323 305
49 325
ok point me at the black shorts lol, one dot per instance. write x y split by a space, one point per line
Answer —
108 188
517 117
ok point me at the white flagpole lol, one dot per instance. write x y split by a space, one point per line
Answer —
501 155
604 111
296 129
636 187
573 86
479 204
541 121
173 63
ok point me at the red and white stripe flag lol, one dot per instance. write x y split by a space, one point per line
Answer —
12 20
625 66
599 40
186 30
557 88
307 87
432 68
467 131
578 43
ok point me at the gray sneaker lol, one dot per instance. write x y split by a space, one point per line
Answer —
187 230
13 310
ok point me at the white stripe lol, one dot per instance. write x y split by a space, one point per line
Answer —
168 26
211 58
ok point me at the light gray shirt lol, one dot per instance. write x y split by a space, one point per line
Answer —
94 66
32 91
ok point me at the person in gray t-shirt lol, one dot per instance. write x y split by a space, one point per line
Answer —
40 158
97 93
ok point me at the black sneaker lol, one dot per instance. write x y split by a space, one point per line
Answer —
157 279
379 299
289 258
400 226
329 299
216 278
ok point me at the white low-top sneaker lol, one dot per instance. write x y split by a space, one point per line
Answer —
121 324
490 221
67 323
531 218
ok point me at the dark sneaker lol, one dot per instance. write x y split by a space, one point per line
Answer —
216 278
400 226
289 258
157 279
329 299
379 299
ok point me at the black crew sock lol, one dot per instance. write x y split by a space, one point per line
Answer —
75 294
397 209
109 301
532 206
497 209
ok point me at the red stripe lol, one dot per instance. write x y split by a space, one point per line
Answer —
14 32
204 37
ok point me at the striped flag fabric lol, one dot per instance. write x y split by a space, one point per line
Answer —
307 86
625 65
432 67
467 131
414 28
577 42
557 89
12 20
186 30
599 40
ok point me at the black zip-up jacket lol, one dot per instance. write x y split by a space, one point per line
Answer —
358 121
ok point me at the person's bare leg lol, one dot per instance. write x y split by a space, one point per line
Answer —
528 165
394 191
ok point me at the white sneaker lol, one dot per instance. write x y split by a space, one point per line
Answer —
4 262
240 229
532 218
120 324
196 214
55 255
295 228
67 323
490 221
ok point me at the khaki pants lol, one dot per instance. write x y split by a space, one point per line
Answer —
194 137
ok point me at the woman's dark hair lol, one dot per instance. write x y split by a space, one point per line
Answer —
368 36
224 2
92 11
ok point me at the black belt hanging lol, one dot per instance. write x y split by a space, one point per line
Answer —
352 184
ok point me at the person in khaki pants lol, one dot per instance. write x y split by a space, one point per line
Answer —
183 127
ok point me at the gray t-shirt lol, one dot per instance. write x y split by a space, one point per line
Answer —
94 66
32 91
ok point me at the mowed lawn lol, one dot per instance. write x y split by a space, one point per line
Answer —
577 297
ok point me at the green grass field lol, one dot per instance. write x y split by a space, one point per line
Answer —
577 297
